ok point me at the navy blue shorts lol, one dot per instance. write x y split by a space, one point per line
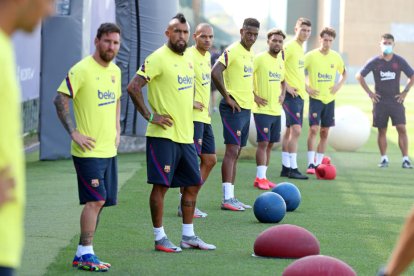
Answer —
321 114
235 125
293 107
172 164
204 138
268 128
384 110
97 179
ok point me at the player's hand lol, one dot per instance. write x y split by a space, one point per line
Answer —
312 92
6 186
85 142
401 97
281 98
233 104
163 121
260 101
334 89
198 105
375 98
117 140
292 91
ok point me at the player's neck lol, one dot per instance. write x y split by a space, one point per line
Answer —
273 54
6 21
387 57
244 46
201 51
324 51
100 61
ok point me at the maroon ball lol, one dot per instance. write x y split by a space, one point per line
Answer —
319 265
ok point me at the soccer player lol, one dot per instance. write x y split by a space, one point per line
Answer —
233 76
387 99
203 132
269 93
14 15
293 104
171 155
322 65
94 85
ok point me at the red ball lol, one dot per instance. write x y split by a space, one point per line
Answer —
325 171
286 241
319 265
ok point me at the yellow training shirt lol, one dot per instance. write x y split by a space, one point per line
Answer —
322 71
170 78
12 156
294 65
268 74
238 76
202 69
95 91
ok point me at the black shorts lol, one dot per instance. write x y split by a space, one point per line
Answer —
204 138
97 179
267 127
172 164
293 107
235 125
384 110
321 114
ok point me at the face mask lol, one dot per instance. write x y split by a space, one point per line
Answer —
386 49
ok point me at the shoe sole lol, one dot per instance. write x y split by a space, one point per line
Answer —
185 245
312 171
231 208
299 178
195 216
76 264
93 267
166 249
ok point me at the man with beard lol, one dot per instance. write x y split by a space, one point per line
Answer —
233 76
94 85
203 132
171 155
294 100
25 16
269 93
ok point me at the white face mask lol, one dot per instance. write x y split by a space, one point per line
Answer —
386 49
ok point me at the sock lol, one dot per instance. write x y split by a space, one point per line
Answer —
285 159
79 250
293 162
232 191
261 172
226 190
159 233
384 157
405 158
311 157
88 249
319 158
188 230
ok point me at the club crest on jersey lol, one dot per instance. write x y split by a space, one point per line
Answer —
298 115
190 65
167 168
314 115
95 183
113 79
200 141
266 130
332 66
238 133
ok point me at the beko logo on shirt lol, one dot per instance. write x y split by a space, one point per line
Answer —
248 69
185 79
106 95
387 75
324 77
205 76
274 75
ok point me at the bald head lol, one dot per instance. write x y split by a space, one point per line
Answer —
203 37
178 31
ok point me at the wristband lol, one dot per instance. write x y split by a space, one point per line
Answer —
151 117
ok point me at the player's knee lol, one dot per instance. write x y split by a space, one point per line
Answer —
324 133
211 161
96 205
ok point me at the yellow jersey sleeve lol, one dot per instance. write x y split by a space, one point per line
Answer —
12 156
170 79
238 76
294 64
322 71
268 74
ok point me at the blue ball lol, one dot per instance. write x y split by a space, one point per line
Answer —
290 194
269 207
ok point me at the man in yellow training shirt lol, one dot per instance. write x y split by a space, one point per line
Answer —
171 155
203 132
294 100
322 65
94 85
233 76
269 93
14 15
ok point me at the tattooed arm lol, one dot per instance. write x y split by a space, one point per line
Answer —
135 92
61 102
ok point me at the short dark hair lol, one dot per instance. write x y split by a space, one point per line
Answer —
329 31
180 17
303 21
251 22
107 28
388 36
275 32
